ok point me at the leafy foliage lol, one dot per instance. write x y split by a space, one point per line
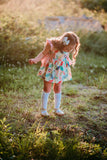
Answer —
19 41
95 4
42 144
94 42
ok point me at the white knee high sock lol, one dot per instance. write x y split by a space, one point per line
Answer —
44 100
57 100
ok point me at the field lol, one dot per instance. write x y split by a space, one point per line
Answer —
81 134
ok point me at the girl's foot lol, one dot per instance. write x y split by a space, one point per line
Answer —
58 112
44 113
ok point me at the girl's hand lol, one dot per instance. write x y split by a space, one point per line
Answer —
32 61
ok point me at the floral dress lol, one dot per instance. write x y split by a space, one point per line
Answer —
58 70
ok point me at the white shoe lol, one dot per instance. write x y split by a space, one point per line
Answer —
59 112
44 113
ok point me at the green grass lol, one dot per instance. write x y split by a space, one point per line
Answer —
84 104
81 133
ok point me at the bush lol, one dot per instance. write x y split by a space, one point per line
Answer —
20 41
94 4
94 42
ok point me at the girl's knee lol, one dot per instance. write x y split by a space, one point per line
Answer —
47 87
57 87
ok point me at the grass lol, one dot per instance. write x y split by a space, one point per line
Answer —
83 102
81 133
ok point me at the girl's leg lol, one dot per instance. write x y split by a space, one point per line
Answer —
57 97
45 95
57 87
47 86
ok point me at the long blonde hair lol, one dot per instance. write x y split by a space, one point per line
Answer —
74 44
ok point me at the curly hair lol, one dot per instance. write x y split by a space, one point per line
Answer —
72 47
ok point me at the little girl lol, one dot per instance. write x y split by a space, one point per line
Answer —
55 67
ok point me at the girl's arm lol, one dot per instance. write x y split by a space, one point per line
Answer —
41 54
